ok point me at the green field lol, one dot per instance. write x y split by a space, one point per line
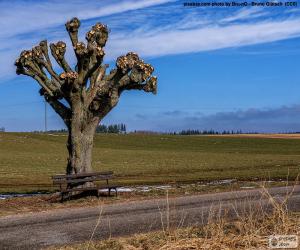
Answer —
27 160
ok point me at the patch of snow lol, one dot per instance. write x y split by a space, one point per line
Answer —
222 182
120 189
56 135
162 187
124 189
14 195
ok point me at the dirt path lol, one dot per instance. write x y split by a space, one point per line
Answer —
65 226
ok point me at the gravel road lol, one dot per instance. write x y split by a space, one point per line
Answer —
65 226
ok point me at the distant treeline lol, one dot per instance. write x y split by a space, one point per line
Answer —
114 128
63 130
191 132
211 132
194 132
224 132
121 129
147 132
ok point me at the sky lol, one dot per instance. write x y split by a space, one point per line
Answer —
221 68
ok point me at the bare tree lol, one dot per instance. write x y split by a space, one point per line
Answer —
84 95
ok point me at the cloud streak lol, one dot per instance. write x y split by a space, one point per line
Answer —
245 14
33 21
205 39
152 28
19 17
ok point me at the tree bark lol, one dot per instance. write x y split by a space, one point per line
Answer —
80 140
80 145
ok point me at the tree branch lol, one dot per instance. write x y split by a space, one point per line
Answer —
80 50
95 61
58 51
40 53
96 84
23 71
150 85
96 38
102 105
131 73
139 76
72 27
60 109
44 48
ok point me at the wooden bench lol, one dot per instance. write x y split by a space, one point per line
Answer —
67 183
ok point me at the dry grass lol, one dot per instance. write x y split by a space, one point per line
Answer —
248 231
40 203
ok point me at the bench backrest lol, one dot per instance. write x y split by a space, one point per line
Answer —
74 176
81 178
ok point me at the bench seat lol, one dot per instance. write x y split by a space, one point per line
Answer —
64 182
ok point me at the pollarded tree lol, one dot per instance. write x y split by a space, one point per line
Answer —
84 95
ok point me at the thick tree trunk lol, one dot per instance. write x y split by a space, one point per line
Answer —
80 141
80 145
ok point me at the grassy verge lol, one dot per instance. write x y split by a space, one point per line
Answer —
48 202
27 161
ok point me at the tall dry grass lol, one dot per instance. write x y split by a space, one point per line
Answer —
247 228
250 229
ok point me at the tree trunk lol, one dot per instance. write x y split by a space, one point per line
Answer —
80 141
80 145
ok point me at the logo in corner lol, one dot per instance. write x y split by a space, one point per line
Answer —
283 241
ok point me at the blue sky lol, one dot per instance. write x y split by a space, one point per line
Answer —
218 68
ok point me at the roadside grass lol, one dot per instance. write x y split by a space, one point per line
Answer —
46 202
28 160
250 230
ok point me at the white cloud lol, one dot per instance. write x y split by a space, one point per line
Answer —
24 24
245 14
18 17
187 31
204 39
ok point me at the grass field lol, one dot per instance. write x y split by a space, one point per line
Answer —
28 160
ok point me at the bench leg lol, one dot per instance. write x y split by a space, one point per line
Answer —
108 191
116 192
62 197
